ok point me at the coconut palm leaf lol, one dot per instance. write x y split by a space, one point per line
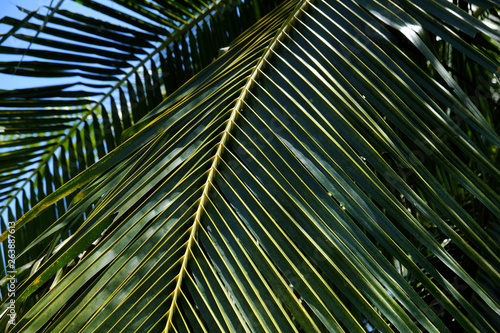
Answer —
104 71
315 177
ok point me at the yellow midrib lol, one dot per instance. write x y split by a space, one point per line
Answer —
220 149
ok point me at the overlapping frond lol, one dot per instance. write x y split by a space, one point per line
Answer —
314 178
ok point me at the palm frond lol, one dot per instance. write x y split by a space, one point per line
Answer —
315 177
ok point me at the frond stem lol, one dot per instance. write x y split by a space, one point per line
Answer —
220 150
